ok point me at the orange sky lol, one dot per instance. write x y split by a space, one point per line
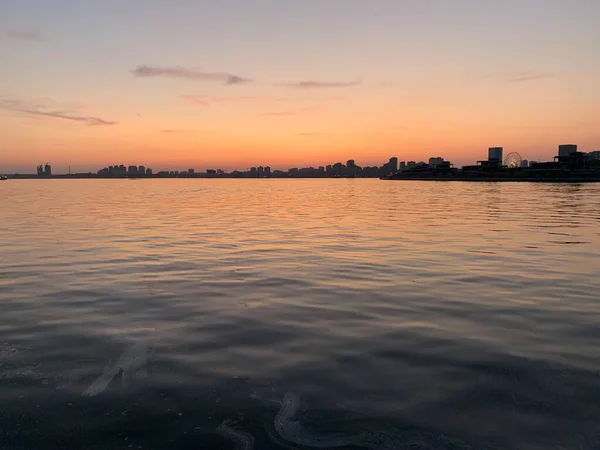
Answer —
369 82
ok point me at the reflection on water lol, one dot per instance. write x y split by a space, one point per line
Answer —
232 314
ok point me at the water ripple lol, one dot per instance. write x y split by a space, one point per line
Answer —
424 315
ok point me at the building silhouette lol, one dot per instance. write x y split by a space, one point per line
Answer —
495 155
44 170
393 165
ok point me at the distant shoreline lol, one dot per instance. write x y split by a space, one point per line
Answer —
501 180
170 177
574 179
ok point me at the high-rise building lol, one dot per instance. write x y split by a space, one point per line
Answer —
393 164
402 166
132 171
595 155
566 149
350 164
267 171
141 171
495 154
524 163
436 161
47 170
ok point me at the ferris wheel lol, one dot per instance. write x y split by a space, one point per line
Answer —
513 160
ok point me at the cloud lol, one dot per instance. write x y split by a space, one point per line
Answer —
188 74
529 76
61 115
25 35
42 110
307 134
169 131
299 111
207 100
320 84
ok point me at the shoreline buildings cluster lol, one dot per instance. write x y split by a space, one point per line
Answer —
570 165
568 161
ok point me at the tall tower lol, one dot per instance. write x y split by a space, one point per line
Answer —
495 154
393 165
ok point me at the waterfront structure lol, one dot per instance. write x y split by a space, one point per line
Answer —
392 165
44 170
571 166
495 154
565 150
436 161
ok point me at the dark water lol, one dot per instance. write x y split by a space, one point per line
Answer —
401 315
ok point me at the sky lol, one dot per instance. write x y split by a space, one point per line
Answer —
237 83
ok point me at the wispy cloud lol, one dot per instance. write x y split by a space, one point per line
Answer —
293 112
45 110
189 74
24 35
170 131
60 115
207 100
320 84
529 76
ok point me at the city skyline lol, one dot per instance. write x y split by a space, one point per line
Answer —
229 84
66 168
348 168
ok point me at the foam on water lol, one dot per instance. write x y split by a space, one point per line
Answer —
242 440
291 430
132 361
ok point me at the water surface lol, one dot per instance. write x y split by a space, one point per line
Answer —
177 314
